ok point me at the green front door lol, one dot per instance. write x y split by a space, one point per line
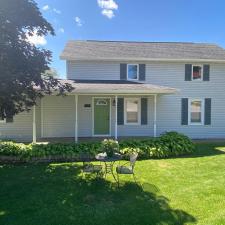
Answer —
101 116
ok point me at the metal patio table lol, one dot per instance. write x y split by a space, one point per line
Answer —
109 162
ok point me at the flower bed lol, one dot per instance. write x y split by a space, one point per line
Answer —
167 145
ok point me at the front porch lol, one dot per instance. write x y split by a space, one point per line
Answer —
97 110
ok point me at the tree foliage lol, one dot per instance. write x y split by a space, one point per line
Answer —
22 64
52 72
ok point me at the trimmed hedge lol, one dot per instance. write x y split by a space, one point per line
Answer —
167 145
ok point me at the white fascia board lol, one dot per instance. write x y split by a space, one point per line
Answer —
144 59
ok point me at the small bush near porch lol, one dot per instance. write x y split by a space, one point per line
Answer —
187 190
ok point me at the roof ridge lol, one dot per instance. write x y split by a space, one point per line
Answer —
160 42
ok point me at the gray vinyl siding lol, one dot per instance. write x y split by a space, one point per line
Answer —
58 116
84 116
169 106
93 70
21 129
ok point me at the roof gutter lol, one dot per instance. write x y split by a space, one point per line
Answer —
143 59
119 92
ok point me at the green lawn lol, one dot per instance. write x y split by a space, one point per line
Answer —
187 190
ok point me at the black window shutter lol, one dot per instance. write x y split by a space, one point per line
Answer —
9 119
120 111
188 72
208 111
144 111
141 72
184 111
123 71
206 72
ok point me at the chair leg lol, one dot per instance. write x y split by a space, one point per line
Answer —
118 181
135 180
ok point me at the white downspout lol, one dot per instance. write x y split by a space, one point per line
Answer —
116 129
34 125
155 116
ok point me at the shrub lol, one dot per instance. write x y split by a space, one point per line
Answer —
109 146
176 143
167 145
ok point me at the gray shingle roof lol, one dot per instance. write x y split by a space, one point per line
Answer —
120 50
116 86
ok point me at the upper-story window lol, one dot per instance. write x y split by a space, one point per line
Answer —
132 72
197 72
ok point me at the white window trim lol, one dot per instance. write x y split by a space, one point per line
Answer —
137 71
125 111
202 111
201 73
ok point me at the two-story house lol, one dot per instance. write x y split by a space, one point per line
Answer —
131 89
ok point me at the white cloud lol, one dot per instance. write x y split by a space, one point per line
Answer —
36 39
108 7
45 7
56 11
78 21
61 30
108 13
107 4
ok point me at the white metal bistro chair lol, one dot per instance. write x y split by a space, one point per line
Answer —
127 169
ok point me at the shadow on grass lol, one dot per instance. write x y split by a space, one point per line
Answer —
58 194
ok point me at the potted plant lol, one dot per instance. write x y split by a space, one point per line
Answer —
110 146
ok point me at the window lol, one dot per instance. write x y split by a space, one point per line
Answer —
196 111
132 72
131 111
101 102
197 72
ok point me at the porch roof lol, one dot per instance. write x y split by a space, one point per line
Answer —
117 87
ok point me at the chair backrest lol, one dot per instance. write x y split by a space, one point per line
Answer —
133 159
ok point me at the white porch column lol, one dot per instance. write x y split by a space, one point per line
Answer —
34 125
76 118
155 115
116 130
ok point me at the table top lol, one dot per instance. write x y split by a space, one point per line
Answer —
103 157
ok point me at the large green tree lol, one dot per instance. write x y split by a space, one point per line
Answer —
22 64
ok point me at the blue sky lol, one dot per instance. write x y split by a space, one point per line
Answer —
131 20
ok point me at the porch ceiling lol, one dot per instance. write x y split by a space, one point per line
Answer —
117 87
